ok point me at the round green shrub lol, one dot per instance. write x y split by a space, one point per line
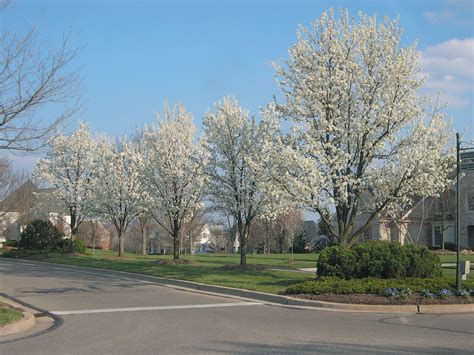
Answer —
422 262
40 235
71 246
380 259
336 261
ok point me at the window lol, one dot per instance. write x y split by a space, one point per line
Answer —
470 236
448 234
470 202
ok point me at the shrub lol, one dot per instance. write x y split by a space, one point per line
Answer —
463 293
70 246
321 242
390 292
374 286
40 235
425 293
404 293
421 262
299 243
381 259
336 261
444 293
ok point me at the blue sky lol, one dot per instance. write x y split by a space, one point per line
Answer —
136 54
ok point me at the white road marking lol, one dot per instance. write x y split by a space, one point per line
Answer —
157 308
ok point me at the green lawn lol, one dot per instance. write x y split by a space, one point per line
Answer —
206 268
8 315
217 260
452 258
211 268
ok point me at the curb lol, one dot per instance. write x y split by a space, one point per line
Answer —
446 308
57 321
273 299
26 323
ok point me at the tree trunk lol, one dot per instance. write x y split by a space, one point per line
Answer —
243 249
176 245
243 242
144 241
73 225
121 248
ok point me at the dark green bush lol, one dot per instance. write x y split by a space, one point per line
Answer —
336 261
421 262
299 243
370 285
70 246
381 259
40 235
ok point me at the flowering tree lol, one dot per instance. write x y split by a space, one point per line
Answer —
173 172
238 167
363 140
70 168
118 188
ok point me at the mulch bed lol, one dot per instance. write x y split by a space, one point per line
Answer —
377 299
174 262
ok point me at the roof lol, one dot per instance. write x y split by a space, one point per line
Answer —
28 196
310 228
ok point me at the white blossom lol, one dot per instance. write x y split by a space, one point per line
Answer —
173 170
69 168
118 191
361 134
239 166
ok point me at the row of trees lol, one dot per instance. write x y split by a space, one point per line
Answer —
362 140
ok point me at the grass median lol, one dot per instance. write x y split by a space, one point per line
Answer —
271 273
8 315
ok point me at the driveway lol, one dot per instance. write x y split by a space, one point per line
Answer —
107 313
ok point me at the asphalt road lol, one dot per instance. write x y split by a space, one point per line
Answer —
103 313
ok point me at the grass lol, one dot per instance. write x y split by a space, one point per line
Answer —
210 268
452 258
206 268
8 315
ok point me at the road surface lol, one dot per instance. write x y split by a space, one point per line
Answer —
106 313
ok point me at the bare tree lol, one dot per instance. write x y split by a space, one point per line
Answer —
34 75
10 180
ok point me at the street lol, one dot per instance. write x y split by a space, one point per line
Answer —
104 313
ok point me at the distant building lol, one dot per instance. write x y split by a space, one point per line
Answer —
28 202
428 219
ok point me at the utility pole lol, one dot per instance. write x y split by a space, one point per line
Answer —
458 222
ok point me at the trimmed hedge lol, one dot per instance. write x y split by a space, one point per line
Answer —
380 259
370 285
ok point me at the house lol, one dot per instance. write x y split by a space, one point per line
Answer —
29 202
428 219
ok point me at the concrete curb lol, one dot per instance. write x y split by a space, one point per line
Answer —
273 299
26 323
446 308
